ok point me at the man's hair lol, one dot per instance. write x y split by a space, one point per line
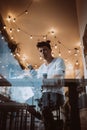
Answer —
44 43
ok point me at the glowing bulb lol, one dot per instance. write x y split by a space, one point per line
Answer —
12 37
69 51
40 58
65 60
77 63
26 12
75 54
9 18
10 30
52 54
59 53
55 46
31 37
2 37
4 27
77 50
14 20
18 54
52 32
18 29
44 37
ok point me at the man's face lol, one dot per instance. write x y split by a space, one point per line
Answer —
45 52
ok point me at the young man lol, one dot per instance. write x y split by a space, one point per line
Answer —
52 68
54 97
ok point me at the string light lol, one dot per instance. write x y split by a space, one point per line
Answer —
69 51
31 37
66 60
40 58
26 12
52 53
52 32
45 37
59 53
18 54
18 29
12 37
57 45
2 37
14 20
76 51
9 18
4 27
11 30
77 63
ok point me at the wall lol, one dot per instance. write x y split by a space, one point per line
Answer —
82 21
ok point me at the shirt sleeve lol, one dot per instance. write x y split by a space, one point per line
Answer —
39 72
60 67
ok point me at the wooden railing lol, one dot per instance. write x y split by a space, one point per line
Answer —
74 85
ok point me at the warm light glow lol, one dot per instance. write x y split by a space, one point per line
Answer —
4 27
10 30
18 29
8 18
75 54
52 54
55 46
44 37
2 37
76 51
12 37
66 60
52 31
59 53
69 51
18 54
77 63
14 20
40 58
31 37
26 12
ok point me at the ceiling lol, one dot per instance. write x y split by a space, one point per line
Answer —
56 19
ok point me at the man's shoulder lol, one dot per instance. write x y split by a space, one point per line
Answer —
59 59
42 66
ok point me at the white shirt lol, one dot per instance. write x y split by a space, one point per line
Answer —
56 67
